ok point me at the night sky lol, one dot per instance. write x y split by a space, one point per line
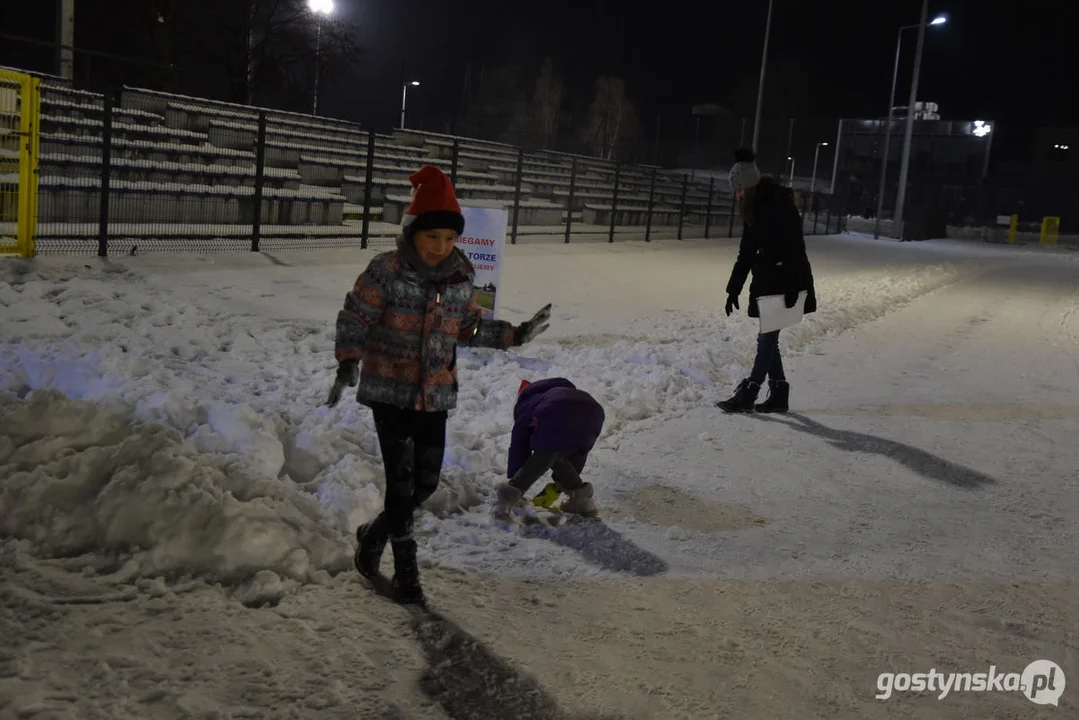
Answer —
1007 61
1004 60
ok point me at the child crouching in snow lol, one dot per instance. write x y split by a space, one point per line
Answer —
404 319
555 426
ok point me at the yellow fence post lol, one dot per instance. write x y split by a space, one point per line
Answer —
1050 230
1014 229
19 149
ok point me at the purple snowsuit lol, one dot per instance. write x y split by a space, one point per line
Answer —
553 416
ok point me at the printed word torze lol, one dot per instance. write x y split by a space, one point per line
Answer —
481 257
475 241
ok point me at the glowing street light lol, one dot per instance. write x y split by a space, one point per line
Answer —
938 21
981 128
404 98
320 9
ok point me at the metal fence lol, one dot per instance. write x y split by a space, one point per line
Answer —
135 171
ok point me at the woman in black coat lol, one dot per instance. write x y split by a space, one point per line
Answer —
773 249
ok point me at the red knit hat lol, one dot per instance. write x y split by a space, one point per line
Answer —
434 204
524 384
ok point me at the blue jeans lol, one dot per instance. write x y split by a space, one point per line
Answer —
768 363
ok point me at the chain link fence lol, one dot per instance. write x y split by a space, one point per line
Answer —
135 170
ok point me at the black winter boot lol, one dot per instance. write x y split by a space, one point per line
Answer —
743 398
372 539
406 573
779 393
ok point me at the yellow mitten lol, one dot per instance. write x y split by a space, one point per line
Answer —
548 497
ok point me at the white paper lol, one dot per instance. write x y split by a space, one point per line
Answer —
775 315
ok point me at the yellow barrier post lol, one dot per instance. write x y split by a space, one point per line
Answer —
19 149
1050 230
1014 229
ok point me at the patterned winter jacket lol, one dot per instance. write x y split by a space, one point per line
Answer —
403 321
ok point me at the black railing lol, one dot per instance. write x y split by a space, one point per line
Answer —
138 171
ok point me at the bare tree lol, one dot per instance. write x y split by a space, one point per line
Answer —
286 42
244 50
547 102
497 108
612 118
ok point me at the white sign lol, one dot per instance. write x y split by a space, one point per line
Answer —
1041 682
484 243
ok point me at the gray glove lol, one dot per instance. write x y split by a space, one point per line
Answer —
348 373
528 330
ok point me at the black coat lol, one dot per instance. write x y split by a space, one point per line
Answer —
774 250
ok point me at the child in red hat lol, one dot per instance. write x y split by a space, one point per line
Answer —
403 319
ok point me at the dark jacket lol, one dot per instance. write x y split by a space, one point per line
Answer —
774 250
552 415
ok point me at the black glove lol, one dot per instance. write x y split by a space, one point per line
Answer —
348 373
528 330
790 299
732 304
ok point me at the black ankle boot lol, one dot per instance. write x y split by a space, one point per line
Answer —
743 398
406 573
779 393
372 539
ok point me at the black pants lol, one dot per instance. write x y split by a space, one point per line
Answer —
562 471
768 362
413 444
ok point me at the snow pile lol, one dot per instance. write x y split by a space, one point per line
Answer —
176 418
81 478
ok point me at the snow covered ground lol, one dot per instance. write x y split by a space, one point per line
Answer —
176 506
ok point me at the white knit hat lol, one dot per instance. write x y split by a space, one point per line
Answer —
744 173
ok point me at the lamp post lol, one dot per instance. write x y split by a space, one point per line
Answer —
816 154
65 39
321 9
790 159
983 129
937 22
760 86
404 98
904 165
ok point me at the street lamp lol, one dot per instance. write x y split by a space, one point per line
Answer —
760 86
936 22
404 98
790 159
908 133
321 9
816 154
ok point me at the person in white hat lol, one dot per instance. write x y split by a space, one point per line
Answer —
773 249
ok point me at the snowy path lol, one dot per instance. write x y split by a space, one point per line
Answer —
161 443
945 449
